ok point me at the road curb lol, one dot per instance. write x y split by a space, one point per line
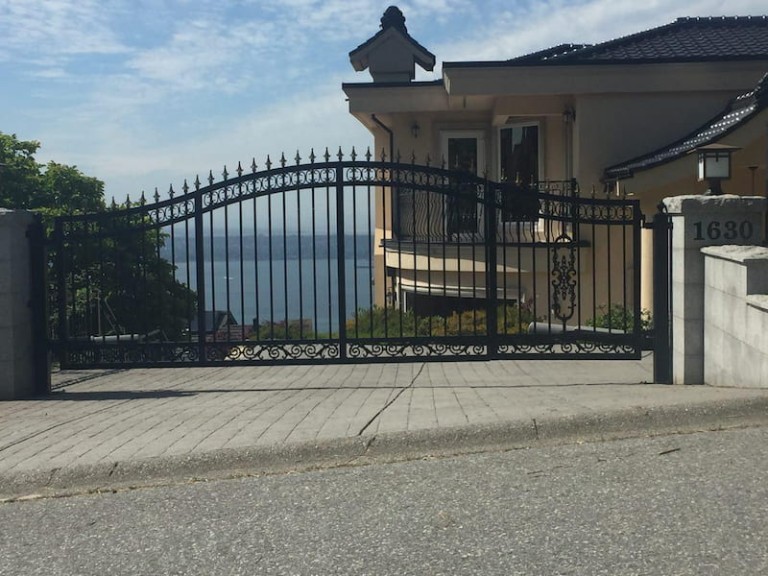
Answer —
384 448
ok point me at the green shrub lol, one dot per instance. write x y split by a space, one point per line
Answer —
619 317
292 330
378 322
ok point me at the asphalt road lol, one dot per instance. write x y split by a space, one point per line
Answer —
676 505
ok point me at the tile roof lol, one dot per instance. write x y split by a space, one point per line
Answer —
549 53
698 39
738 112
393 18
214 320
686 39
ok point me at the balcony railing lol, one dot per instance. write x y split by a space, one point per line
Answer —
525 214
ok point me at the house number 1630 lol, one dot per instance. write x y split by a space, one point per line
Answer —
728 230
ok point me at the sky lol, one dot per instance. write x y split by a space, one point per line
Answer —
146 93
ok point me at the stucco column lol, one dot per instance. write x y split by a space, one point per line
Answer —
697 222
646 270
17 350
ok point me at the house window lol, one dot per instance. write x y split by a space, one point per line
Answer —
519 171
519 153
464 151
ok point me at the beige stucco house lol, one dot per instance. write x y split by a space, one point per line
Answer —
619 116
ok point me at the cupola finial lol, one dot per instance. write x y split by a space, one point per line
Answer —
393 18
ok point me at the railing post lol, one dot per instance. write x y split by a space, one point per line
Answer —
662 334
200 273
491 297
341 263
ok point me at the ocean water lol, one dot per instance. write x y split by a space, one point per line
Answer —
291 289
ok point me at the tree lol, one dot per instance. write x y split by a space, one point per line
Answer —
53 189
113 263
69 191
20 179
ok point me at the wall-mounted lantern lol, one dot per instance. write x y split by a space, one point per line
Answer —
714 166
415 129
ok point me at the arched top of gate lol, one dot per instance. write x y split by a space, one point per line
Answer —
328 171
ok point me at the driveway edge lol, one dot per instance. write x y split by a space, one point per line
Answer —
385 448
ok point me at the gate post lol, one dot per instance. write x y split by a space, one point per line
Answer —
662 335
700 221
491 295
341 262
200 273
62 328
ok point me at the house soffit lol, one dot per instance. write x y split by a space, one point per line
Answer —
396 97
571 80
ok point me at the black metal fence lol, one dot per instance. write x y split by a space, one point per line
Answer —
347 259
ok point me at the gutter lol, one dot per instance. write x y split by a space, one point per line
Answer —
391 137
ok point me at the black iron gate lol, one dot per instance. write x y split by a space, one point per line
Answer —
348 260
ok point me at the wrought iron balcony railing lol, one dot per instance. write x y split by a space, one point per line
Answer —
524 214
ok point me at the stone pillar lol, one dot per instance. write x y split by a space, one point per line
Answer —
17 347
697 222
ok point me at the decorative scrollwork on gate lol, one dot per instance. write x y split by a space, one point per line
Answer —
564 276
361 350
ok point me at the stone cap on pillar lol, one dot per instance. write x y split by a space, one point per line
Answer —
700 203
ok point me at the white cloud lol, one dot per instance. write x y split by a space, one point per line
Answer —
30 28
288 58
200 52
132 162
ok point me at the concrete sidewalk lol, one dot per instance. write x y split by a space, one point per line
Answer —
106 429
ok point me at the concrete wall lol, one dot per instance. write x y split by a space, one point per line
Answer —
17 374
736 316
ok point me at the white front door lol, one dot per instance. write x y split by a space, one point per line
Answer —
464 150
